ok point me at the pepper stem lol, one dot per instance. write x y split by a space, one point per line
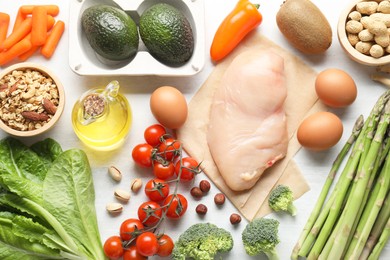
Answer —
257 6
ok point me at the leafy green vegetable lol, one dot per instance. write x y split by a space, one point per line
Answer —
46 203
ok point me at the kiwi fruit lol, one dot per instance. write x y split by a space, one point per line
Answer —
304 26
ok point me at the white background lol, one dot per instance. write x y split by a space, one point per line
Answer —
314 166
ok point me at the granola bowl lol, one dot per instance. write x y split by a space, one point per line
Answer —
32 99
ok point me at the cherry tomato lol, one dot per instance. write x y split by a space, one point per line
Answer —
169 148
149 213
129 227
189 168
166 246
164 171
113 247
154 133
142 155
147 244
178 206
131 253
156 190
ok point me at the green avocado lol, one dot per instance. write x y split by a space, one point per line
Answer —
167 34
111 32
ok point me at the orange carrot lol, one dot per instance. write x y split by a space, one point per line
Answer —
16 50
18 34
53 10
52 41
39 26
29 53
4 23
18 20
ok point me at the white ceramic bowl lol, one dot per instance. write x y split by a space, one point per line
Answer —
84 61
60 107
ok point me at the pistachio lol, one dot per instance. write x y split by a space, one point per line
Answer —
115 173
114 208
122 195
136 184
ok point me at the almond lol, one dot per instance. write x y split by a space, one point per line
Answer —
3 87
49 106
34 116
14 87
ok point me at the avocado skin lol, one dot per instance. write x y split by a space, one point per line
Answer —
167 34
110 32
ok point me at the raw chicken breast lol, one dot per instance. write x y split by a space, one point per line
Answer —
248 128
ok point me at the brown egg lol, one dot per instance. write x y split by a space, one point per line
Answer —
335 88
320 131
169 107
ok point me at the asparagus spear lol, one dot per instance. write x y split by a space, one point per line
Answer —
376 231
370 213
328 183
381 242
341 187
371 126
357 196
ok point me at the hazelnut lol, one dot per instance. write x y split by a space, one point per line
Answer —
235 219
204 186
219 198
196 192
201 209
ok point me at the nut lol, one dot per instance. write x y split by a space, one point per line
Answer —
136 184
114 208
204 186
122 195
115 173
196 192
201 209
235 219
21 95
34 116
49 106
219 198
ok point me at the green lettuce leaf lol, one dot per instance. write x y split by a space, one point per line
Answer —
21 170
29 245
70 196
50 195
48 150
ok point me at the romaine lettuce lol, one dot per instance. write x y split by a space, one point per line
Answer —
47 198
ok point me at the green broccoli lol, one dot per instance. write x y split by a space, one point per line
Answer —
261 235
281 198
202 241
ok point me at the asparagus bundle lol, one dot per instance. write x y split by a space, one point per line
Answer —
352 222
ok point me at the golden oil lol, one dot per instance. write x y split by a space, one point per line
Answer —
102 118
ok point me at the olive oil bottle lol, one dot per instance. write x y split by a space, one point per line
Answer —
102 118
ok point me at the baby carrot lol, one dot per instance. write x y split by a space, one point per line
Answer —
17 34
39 25
52 40
53 10
4 23
18 20
13 52
29 53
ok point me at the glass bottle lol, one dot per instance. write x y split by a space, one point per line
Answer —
102 118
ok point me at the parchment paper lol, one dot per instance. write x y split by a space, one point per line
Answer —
301 101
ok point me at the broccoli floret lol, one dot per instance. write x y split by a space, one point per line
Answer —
202 241
261 235
281 198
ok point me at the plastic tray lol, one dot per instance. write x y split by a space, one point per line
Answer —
84 61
